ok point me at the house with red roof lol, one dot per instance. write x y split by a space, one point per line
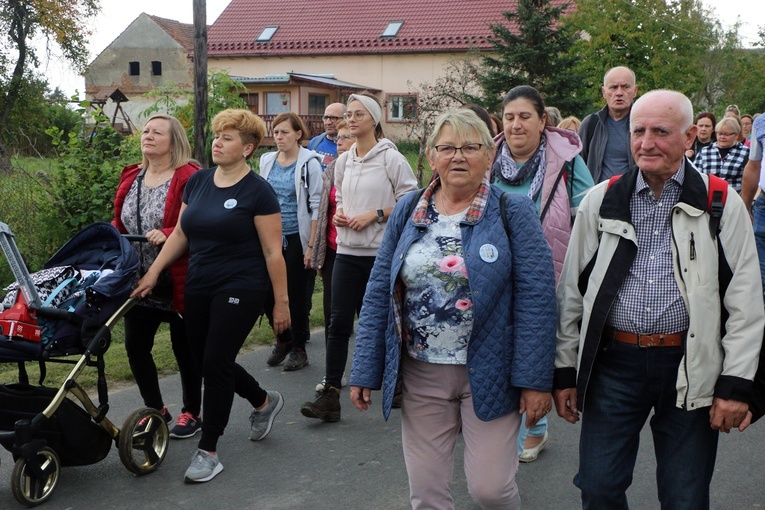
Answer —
302 55
151 52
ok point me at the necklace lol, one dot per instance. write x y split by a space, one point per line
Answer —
157 181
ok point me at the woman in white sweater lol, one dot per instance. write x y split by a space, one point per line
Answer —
370 178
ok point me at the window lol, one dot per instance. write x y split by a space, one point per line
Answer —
402 108
135 68
277 102
156 68
392 29
317 104
267 34
251 100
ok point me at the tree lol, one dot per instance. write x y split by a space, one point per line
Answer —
64 23
537 53
662 41
458 85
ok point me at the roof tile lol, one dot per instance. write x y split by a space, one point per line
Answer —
325 27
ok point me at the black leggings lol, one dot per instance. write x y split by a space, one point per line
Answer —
141 324
326 280
349 282
297 281
217 326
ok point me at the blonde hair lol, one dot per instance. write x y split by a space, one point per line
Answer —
179 142
571 123
251 128
731 123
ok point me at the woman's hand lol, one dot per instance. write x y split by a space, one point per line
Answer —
362 221
689 154
536 404
340 220
156 237
281 317
145 285
361 397
307 258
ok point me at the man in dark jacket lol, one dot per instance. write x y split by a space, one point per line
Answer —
605 134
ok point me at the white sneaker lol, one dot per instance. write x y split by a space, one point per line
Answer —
323 383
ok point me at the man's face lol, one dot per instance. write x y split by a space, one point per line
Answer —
658 141
619 91
333 114
746 126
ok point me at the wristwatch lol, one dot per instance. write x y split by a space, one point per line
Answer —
380 216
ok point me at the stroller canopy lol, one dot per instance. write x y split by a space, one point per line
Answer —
100 246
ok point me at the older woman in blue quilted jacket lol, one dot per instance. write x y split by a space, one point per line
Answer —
460 306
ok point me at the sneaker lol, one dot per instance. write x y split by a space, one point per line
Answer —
165 416
186 426
298 359
326 407
204 467
323 383
278 354
261 421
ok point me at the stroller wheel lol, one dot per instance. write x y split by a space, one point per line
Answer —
32 483
143 441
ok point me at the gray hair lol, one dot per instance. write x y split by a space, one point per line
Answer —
680 100
464 123
605 76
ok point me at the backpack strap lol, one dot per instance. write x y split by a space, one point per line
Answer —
717 194
503 212
561 174
317 141
612 180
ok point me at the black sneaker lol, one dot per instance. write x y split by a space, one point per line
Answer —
326 407
298 359
145 421
186 426
278 354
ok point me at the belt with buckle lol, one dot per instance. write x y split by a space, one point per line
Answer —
641 340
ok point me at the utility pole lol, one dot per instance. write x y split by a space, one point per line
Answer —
200 82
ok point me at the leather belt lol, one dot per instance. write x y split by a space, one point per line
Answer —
655 340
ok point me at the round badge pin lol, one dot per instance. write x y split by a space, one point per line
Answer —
488 253
230 203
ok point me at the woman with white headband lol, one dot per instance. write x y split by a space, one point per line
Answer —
370 178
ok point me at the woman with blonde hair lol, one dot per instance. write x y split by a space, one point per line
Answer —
727 157
370 178
231 226
147 203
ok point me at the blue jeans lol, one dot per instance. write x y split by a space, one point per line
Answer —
538 430
758 211
626 384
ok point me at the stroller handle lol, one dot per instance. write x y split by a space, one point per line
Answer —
58 314
135 238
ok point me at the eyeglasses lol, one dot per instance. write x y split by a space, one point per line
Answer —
332 118
727 134
346 137
448 151
355 115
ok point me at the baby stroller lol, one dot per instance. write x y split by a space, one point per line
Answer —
45 428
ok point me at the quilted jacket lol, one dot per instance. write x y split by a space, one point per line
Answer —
512 344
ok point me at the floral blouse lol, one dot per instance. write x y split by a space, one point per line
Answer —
438 311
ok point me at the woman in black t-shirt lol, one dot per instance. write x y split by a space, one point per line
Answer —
231 225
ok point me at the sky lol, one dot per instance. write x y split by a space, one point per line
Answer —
116 15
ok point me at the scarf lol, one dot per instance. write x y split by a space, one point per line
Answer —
506 169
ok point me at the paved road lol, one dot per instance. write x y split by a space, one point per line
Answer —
353 464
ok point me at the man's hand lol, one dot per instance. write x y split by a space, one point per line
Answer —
727 414
565 404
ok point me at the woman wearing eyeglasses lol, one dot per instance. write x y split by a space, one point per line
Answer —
460 306
727 157
543 163
369 179
295 175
